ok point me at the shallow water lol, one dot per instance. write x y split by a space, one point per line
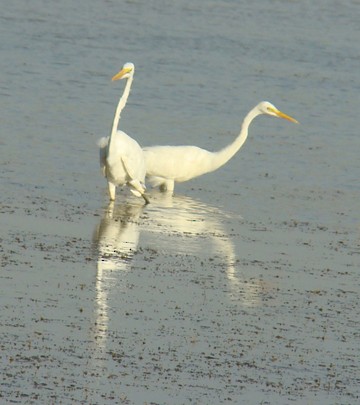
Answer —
244 286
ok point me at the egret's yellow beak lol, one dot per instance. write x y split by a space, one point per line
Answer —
121 74
285 116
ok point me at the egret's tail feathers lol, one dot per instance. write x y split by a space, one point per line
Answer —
135 192
137 188
103 142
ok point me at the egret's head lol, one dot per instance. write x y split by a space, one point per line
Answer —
269 109
126 71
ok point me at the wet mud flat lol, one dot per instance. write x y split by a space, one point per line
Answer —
178 302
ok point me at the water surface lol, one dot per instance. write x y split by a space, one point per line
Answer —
243 287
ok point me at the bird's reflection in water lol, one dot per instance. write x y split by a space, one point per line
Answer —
202 228
170 224
116 238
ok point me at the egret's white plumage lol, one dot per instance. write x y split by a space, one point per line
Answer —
166 165
121 157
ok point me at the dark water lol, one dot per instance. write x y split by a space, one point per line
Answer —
243 287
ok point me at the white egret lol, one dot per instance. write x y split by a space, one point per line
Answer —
121 157
166 165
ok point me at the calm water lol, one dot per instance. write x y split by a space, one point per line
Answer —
242 288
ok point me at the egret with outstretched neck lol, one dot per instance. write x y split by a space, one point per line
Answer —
167 165
121 157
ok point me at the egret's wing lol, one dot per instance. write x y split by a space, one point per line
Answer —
128 167
180 163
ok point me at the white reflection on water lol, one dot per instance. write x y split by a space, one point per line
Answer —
117 238
176 225
203 231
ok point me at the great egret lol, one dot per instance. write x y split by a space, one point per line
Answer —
166 165
121 157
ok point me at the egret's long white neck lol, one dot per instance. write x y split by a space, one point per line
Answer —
225 154
121 105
